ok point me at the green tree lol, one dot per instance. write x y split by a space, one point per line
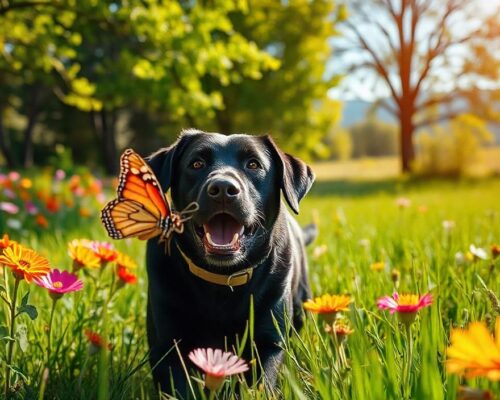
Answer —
291 102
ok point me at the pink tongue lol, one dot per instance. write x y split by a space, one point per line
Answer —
222 228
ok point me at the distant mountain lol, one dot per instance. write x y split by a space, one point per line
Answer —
355 111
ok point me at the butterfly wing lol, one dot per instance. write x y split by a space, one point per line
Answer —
124 218
138 183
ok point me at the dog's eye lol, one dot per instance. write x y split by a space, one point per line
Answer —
253 164
197 164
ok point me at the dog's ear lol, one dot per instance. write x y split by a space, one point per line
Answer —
295 176
162 162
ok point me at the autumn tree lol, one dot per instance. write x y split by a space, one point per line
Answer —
424 53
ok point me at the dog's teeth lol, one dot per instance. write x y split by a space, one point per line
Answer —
209 239
235 239
242 230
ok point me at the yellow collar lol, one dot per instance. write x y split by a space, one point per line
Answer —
237 279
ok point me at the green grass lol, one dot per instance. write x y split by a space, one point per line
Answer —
359 224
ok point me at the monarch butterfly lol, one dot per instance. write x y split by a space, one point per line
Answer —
141 209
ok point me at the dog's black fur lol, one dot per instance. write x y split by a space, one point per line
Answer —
186 309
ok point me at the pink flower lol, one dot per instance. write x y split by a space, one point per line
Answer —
217 365
10 194
406 305
60 175
9 208
403 202
31 208
14 176
59 282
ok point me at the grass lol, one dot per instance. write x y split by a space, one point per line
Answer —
359 224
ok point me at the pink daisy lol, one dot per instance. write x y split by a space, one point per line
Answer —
406 305
59 282
217 365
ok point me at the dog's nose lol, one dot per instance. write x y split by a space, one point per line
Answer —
221 189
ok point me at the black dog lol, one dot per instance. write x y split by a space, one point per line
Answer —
241 244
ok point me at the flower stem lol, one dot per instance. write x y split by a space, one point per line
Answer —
408 362
49 332
10 350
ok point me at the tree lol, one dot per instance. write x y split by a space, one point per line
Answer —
291 102
422 51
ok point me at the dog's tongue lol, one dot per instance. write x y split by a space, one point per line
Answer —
222 229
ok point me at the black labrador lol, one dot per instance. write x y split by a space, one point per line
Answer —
241 244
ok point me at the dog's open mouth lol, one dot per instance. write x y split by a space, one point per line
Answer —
221 234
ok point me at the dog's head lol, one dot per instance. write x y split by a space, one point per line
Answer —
237 181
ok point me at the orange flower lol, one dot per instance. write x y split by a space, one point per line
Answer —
82 255
25 196
122 260
475 352
84 212
340 329
26 183
126 276
105 251
42 221
495 250
5 242
52 204
25 263
467 393
96 341
328 305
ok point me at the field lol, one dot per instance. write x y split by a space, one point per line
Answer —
394 222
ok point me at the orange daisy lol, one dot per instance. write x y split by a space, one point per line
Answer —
25 263
5 242
340 329
125 261
475 352
328 305
105 251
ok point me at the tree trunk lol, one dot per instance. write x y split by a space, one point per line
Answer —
406 137
4 144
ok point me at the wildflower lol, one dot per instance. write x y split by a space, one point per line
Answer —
31 208
84 212
478 253
395 275
96 341
105 251
340 330
42 221
25 263
217 365
377 266
82 255
365 243
74 182
328 306
125 276
448 225
495 250
403 202
59 282
59 175
406 305
467 393
14 176
475 352
125 261
10 194
26 183
5 242
14 224
8 207
52 204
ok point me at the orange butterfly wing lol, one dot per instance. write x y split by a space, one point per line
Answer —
141 209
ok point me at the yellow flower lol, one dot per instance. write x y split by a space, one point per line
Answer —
377 266
26 183
82 254
25 263
475 352
328 305
125 261
5 242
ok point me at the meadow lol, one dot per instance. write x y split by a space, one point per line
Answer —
376 237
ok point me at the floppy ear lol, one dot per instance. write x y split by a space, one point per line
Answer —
162 162
295 176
